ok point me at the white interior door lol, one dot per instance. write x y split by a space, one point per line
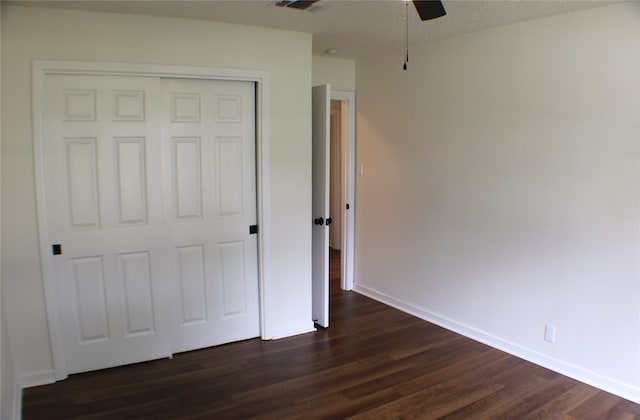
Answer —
149 195
321 102
104 208
210 197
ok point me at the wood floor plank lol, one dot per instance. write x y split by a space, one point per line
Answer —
518 380
566 401
518 408
596 406
433 402
372 362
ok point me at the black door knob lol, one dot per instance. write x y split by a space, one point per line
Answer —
328 221
318 221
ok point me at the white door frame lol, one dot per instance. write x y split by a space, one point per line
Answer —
347 245
43 68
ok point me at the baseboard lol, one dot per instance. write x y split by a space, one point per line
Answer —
37 378
604 383
292 330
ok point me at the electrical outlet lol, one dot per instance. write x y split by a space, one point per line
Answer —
550 333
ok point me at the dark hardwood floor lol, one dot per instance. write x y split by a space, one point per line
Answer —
372 362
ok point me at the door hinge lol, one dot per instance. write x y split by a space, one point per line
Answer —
56 249
347 206
253 229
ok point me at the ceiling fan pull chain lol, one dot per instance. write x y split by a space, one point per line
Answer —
406 39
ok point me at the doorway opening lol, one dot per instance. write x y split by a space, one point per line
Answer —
336 175
343 194
341 186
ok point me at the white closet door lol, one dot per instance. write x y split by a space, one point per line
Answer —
150 195
104 209
210 201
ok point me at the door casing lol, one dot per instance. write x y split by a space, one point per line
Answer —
43 68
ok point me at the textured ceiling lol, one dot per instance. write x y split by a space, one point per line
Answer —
356 28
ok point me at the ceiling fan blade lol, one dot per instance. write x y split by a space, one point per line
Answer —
296 4
429 9
301 4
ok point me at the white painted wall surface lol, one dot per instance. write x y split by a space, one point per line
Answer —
33 33
340 73
501 189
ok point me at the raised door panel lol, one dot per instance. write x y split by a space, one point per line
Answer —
191 278
90 299
230 171
79 105
233 276
128 105
138 287
187 178
185 107
131 180
82 182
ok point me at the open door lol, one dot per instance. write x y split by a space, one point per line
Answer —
321 101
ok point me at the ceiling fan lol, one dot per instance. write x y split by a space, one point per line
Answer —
427 9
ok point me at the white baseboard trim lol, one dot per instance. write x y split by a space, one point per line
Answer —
292 330
621 389
37 378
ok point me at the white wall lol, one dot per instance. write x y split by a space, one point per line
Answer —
10 391
340 73
501 189
32 33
